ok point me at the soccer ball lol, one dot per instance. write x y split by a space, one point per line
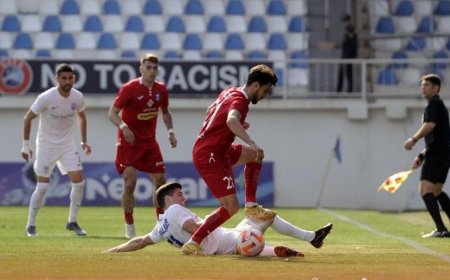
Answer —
250 242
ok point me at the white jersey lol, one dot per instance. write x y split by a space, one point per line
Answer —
57 117
221 241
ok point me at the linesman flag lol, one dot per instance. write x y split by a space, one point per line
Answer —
394 182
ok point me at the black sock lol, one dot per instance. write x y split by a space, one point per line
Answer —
444 201
433 208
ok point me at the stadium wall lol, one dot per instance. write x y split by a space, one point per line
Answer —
298 136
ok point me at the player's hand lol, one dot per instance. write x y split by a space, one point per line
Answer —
246 125
86 148
172 140
416 163
259 152
26 151
409 144
128 135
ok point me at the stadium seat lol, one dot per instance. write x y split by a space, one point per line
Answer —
444 24
48 7
404 8
172 55
106 41
4 53
379 8
65 41
90 7
192 42
278 57
8 7
31 23
214 55
127 54
129 41
399 55
406 76
255 41
415 44
111 7
152 7
234 42
24 7
299 59
154 24
256 55
423 8
277 42
214 7
52 23
216 24
392 44
385 25
172 7
405 25
131 7
86 41
195 24
194 7
171 41
434 44
69 7
71 24
212 41
297 24
276 24
44 40
134 24
11 23
427 25
93 23
297 7
387 77
276 7
297 41
254 7
106 55
64 54
257 24
235 7
43 54
5 40
112 23
236 24
191 55
175 24
21 53
150 41
234 55
441 55
296 77
442 8
23 41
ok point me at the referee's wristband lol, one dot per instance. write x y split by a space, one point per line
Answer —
421 156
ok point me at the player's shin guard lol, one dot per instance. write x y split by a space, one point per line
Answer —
36 201
251 174
216 219
76 197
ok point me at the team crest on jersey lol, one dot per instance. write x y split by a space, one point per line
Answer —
15 76
73 106
150 103
157 97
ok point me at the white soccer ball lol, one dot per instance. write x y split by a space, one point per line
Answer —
250 242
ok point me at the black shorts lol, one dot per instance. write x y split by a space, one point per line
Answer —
435 166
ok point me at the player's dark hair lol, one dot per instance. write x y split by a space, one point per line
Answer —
149 57
64 67
166 189
433 79
262 74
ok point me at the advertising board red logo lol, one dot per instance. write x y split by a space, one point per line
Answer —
15 76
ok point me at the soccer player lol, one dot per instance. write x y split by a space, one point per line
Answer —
137 149
435 157
178 223
57 107
214 153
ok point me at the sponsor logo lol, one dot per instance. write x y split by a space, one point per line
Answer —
15 77
140 97
147 116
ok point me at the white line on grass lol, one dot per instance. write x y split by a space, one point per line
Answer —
408 242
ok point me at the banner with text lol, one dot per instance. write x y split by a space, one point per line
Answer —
104 186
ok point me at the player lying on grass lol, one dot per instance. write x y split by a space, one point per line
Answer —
178 223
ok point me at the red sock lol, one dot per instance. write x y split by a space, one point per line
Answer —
216 219
159 211
251 174
129 217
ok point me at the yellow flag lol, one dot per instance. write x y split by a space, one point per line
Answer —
394 182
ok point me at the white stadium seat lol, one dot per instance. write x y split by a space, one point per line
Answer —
44 40
71 24
214 7
90 7
31 23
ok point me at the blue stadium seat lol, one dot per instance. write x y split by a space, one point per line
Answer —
23 41
297 24
11 23
111 7
214 55
387 77
234 42
69 7
128 54
404 8
427 25
65 41
442 8
447 46
172 55
301 56
106 41
43 53
4 53
134 24
399 55
277 42
385 25
175 24
276 7
256 54
257 24
52 23
415 44
235 7
150 41
216 24
93 23
440 55
192 42
194 7
152 7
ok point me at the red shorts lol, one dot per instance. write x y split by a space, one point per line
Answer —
144 158
216 169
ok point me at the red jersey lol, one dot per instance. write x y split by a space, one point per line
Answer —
140 105
215 134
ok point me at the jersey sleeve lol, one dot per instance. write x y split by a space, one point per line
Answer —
164 96
178 215
82 105
39 105
239 104
154 234
121 99
431 112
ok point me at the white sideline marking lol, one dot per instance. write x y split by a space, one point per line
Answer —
408 242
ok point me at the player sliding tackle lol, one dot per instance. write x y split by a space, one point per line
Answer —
178 223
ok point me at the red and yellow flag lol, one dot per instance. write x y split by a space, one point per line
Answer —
394 182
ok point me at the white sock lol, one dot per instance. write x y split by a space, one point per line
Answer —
250 204
286 228
36 202
268 251
76 196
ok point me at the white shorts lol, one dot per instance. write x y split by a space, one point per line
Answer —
67 158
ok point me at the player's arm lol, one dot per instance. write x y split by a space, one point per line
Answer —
82 122
423 131
134 244
27 153
167 118
113 115
190 226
